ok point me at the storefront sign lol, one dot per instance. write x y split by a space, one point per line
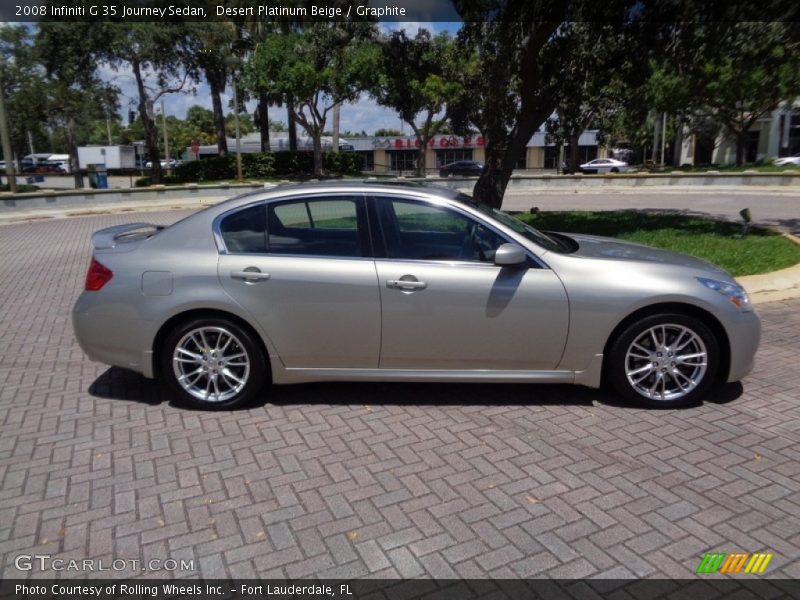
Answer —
439 141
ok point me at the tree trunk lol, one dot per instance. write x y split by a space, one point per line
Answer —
73 154
536 104
317 135
741 138
292 123
574 153
423 145
263 120
335 137
217 86
150 131
676 149
501 155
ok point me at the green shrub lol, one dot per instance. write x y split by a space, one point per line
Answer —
22 188
261 165
258 166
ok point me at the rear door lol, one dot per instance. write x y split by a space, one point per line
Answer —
302 267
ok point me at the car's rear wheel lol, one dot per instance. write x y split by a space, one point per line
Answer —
665 360
213 363
614 170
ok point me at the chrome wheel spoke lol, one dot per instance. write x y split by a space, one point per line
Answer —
203 370
666 362
686 358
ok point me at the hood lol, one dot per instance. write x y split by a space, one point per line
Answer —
592 246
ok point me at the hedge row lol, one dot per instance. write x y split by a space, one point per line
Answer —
262 165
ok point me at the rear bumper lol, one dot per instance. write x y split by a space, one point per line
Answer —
109 335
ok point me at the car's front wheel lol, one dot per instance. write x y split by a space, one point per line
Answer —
665 360
213 363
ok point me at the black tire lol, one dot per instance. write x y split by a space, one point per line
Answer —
683 378
614 170
232 375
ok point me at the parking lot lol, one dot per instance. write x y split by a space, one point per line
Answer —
374 480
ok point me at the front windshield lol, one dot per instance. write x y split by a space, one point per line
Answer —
537 237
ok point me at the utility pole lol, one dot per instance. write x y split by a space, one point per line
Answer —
663 138
166 139
6 142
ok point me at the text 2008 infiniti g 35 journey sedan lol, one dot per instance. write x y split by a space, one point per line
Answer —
368 281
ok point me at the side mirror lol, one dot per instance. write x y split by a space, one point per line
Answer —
508 255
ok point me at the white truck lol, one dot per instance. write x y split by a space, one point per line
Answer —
115 158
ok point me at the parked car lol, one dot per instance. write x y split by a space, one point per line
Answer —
362 281
165 164
787 160
604 165
462 167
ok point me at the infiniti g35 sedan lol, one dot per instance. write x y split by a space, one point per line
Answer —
381 282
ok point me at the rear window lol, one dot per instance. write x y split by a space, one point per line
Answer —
244 231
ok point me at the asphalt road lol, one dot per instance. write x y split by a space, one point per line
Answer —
374 480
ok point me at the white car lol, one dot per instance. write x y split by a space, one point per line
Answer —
604 165
787 160
171 164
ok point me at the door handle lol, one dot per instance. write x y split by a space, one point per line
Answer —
250 275
402 284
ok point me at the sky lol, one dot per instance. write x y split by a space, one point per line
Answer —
364 114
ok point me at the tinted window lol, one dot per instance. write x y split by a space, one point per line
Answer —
417 230
243 231
315 227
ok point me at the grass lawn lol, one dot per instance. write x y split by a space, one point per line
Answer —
716 241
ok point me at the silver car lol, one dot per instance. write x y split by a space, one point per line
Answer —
380 282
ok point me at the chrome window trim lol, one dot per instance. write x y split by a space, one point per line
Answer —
216 224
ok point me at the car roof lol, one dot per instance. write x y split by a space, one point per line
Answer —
350 185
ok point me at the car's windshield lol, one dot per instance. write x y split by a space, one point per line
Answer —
540 238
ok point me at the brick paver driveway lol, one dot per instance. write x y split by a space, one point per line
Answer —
375 479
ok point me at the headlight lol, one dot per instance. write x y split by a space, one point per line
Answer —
733 292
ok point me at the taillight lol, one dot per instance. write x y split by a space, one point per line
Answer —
97 276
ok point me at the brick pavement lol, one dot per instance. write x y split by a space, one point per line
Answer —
377 480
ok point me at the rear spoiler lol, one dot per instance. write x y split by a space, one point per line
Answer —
111 236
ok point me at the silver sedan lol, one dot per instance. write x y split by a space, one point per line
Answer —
379 282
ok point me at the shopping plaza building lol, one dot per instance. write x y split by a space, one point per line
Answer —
776 134
398 154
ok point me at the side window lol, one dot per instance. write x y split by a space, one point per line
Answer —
417 230
244 231
316 227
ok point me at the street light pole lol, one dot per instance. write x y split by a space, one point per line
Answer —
6 142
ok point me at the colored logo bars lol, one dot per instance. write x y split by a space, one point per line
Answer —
738 562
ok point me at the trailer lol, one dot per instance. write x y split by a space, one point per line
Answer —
115 158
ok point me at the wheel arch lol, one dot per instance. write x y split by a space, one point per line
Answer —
200 313
680 308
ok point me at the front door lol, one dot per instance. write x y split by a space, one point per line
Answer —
446 305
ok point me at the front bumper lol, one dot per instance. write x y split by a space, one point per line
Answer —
744 335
